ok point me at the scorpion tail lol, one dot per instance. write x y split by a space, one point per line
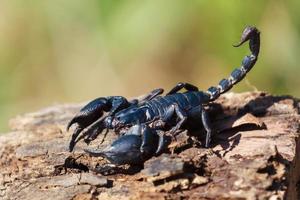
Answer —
252 34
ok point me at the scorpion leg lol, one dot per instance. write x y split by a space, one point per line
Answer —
93 131
180 113
180 85
153 141
149 141
206 125
152 94
162 142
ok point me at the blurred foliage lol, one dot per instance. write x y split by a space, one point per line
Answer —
72 50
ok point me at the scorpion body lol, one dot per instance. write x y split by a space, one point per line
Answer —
142 120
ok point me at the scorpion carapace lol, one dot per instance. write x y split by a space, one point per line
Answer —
141 122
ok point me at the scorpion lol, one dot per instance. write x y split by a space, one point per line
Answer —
141 122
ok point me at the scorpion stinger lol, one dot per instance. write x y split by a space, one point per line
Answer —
252 34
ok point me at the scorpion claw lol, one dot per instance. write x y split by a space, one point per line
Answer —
86 116
91 116
73 121
74 137
125 150
136 146
90 113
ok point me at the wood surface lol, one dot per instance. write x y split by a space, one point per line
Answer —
255 154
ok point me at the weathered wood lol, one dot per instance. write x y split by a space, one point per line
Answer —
255 155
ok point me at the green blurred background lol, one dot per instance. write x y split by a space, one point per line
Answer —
63 51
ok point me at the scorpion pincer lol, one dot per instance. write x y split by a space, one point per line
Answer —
141 122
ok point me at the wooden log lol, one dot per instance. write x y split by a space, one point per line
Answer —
255 154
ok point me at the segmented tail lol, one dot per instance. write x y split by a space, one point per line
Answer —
252 34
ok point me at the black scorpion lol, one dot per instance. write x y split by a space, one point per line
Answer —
143 120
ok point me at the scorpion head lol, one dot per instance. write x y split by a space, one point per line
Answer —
128 117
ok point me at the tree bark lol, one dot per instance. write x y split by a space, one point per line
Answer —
255 154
